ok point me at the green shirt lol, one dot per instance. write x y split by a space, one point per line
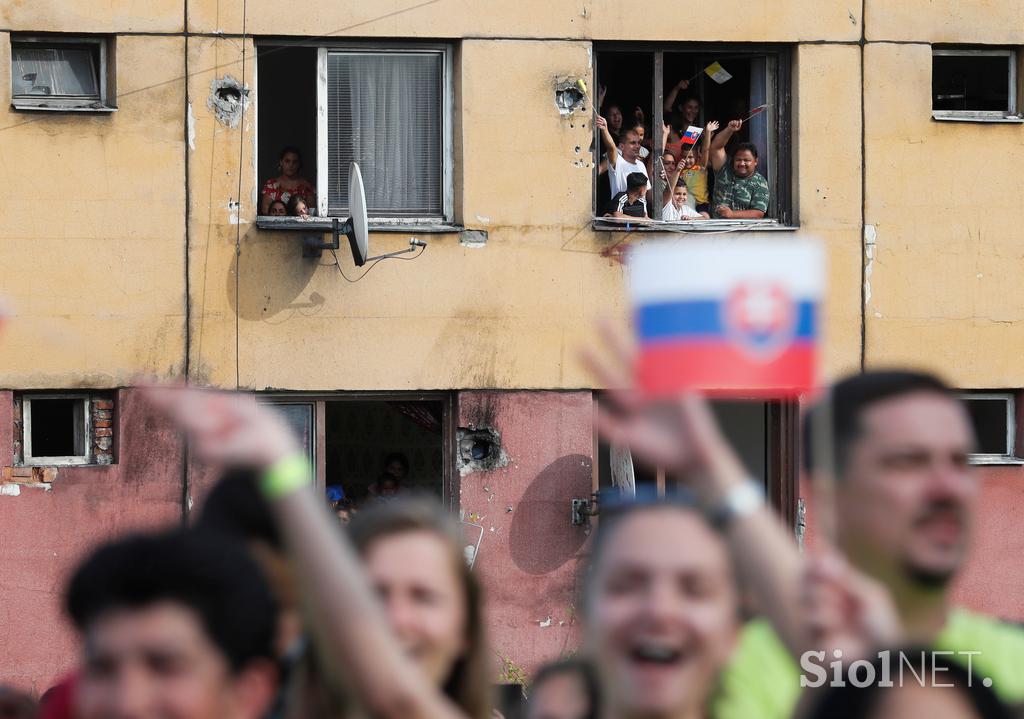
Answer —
763 681
740 193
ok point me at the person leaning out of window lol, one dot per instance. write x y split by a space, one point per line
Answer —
741 192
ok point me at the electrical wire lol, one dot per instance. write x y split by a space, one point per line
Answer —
337 263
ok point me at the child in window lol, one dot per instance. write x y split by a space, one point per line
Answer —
632 202
695 171
288 184
297 207
278 209
676 209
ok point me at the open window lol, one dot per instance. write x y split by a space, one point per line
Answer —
689 85
385 106
974 84
61 73
56 429
994 419
764 434
367 446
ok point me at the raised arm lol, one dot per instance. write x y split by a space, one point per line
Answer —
718 156
670 100
705 149
683 437
608 141
351 628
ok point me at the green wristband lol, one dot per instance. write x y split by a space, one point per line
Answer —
285 477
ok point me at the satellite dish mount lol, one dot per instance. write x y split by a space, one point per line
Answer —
355 227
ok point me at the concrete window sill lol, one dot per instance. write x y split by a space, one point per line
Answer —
977 117
995 460
608 224
323 224
57 106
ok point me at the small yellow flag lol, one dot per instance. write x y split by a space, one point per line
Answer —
717 73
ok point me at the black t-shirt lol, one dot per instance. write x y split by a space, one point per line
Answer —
621 203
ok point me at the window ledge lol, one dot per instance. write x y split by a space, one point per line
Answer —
608 224
323 224
57 106
955 116
990 459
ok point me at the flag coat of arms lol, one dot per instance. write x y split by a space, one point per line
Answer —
717 73
691 135
732 317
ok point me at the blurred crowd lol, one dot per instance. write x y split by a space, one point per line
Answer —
695 604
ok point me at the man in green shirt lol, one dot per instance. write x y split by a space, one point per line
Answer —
905 505
741 192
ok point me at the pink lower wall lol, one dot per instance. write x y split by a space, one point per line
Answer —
43 533
992 581
531 556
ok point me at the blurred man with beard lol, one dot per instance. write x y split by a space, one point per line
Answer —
906 506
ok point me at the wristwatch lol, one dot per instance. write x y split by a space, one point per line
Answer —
741 500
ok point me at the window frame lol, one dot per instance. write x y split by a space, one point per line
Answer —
1012 114
1010 457
28 459
446 51
103 102
781 162
449 421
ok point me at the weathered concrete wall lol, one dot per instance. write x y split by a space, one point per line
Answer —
731 20
93 229
943 205
992 581
531 556
43 534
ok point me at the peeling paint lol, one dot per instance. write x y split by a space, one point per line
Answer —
474 239
190 125
483 219
870 235
545 623
10 490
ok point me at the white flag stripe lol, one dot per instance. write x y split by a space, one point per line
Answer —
674 270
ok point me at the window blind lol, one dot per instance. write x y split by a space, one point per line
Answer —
385 111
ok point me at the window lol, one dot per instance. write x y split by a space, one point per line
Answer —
56 429
386 107
993 415
61 73
969 84
689 85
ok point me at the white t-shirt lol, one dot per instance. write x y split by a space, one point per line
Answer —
617 174
669 213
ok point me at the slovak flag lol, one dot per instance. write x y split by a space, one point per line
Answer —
732 316
691 135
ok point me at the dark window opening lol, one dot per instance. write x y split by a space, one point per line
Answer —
677 88
375 449
57 428
980 81
286 114
993 423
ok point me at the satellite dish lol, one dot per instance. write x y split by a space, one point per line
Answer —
356 225
356 228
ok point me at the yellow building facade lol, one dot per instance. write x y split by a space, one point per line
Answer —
131 245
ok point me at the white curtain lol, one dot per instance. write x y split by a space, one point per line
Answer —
53 71
385 114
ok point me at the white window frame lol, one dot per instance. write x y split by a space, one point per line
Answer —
1009 115
447 135
26 430
58 103
1008 457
